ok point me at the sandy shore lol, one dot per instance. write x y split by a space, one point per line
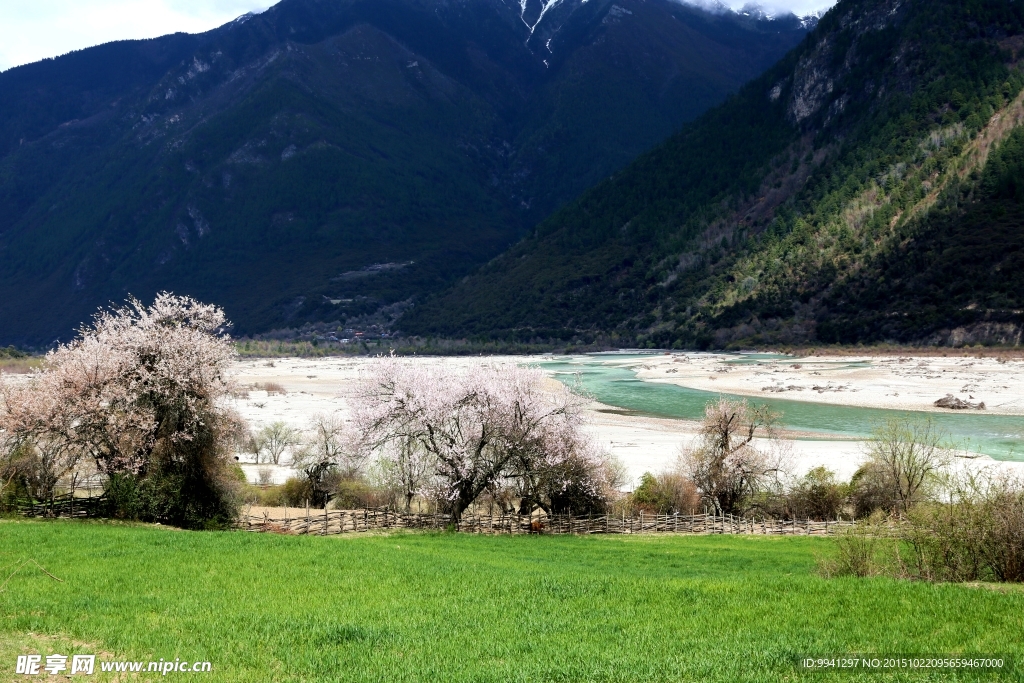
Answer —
650 444
904 383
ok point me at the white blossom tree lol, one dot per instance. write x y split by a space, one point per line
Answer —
38 439
469 430
139 392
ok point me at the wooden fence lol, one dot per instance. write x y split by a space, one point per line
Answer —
67 505
330 522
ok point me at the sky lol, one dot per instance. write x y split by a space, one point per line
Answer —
31 30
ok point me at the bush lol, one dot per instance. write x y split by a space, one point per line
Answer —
977 535
263 496
869 492
343 492
9 352
856 553
200 491
666 493
819 496
348 494
296 492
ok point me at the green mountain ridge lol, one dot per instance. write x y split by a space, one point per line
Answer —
327 160
864 189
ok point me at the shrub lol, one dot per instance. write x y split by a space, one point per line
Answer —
818 496
856 554
350 494
975 535
10 352
296 491
870 492
666 493
978 535
264 496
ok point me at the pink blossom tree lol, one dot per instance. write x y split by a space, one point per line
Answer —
471 430
139 392
38 439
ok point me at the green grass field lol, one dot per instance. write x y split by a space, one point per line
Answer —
445 607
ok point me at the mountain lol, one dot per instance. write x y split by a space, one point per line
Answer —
332 159
867 188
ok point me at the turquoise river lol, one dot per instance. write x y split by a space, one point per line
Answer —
999 436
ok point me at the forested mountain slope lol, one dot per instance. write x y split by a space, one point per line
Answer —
331 158
866 188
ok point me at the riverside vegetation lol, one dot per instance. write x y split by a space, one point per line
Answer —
136 403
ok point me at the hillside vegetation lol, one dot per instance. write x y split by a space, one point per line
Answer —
324 161
452 607
864 189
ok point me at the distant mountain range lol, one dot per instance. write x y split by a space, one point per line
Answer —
869 187
336 159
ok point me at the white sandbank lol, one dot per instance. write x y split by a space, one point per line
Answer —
652 444
902 383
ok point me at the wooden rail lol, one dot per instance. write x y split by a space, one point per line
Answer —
66 505
330 522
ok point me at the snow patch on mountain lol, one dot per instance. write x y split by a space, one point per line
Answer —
545 6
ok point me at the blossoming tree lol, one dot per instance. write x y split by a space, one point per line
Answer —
139 393
454 433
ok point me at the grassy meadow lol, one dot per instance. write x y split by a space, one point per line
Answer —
448 607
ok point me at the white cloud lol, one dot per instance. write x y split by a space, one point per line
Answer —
801 8
31 30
